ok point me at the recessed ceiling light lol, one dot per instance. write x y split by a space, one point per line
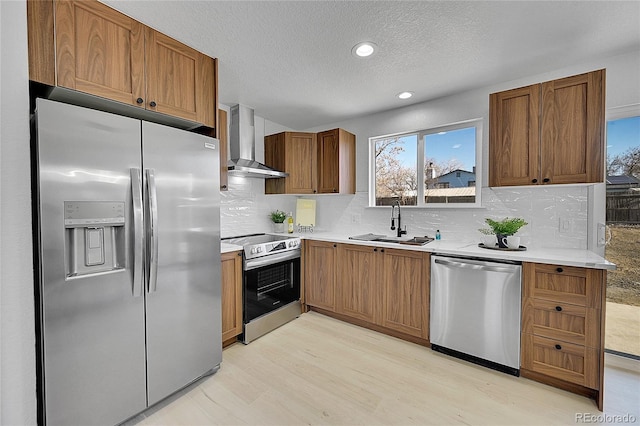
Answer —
405 95
364 49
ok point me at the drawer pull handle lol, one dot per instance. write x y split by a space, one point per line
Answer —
559 270
534 180
559 308
558 347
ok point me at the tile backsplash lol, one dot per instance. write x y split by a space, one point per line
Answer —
556 215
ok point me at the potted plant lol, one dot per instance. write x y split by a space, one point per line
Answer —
504 228
278 217
488 237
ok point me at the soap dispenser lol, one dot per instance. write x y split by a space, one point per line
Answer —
290 223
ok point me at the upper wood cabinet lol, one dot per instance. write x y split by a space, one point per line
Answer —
294 153
336 162
548 133
90 47
316 163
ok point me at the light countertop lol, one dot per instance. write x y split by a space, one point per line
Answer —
553 256
226 247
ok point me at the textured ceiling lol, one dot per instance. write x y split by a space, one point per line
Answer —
291 60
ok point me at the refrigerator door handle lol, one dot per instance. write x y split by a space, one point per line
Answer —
138 232
152 231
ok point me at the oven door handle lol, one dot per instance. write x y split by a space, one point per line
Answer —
271 259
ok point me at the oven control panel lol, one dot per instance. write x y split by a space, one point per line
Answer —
264 249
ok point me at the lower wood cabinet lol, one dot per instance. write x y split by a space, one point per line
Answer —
381 288
405 292
563 327
320 274
359 291
231 296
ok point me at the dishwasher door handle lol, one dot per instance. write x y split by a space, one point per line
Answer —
476 266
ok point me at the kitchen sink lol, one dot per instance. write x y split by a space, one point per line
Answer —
415 241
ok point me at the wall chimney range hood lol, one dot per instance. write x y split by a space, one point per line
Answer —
242 147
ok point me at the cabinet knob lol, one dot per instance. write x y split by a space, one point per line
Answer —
559 270
558 347
559 308
152 104
534 180
375 249
335 245
382 250
139 100
546 180
314 191
224 186
240 254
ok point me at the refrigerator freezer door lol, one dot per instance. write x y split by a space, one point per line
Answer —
184 333
92 326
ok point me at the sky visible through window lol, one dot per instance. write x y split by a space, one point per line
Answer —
622 134
456 144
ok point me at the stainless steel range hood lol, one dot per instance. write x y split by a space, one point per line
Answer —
242 146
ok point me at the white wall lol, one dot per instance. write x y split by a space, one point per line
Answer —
17 335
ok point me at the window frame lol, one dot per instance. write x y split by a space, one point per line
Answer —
475 122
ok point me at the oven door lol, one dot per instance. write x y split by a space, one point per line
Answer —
270 282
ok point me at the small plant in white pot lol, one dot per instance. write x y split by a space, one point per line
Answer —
488 237
278 217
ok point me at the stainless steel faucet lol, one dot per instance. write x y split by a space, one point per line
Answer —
397 217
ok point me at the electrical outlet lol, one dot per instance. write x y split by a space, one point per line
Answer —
566 225
355 218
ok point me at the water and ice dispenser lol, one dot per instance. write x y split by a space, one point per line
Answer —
94 237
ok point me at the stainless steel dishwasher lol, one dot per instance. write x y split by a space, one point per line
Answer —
475 311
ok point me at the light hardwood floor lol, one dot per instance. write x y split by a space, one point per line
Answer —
317 370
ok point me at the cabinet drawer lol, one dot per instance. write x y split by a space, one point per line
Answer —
556 358
564 284
562 321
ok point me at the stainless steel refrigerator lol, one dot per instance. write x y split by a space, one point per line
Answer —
128 260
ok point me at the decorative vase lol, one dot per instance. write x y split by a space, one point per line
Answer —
278 227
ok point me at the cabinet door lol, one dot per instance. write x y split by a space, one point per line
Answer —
300 154
405 305
514 137
231 294
99 51
328 162
358 289
336 162
572 135
320 270
180 80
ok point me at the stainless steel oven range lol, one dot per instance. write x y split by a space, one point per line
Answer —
271 282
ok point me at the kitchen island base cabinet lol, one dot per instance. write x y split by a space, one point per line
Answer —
231 297
563 327
386 290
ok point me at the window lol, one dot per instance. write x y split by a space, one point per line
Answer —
433 167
